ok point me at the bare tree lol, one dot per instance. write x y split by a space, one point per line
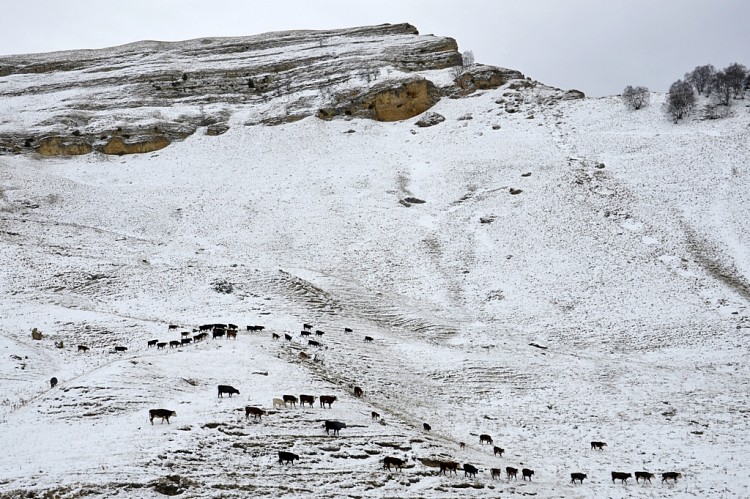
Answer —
723 88
736 74
702 78
468 59
637 97
680 100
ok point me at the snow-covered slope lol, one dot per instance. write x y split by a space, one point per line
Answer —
624 257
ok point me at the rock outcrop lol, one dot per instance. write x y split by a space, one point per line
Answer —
482 77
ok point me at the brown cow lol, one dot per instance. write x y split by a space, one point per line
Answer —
161 413
327 399
395 461
496 472
257 412
446 466
232 334
303 356
511 472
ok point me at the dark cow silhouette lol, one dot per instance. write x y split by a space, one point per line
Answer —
313 343
670 475
206 327
485 439
426 427
389 461
375 415
287 337
643 475
577 476
257 412
186 341
461 445
306 399
290 399
121 349
231 334
497 450
318 332
618 475
511 472
174 344
185 334
217 333
83 348
227 389
598 445
335 426
527 473
306 326
470 470
327 399
496 472
53 382
220 326
161 345
173 326
152 343
287 457
348 330
303 356
446 466
164 414
197 338
368 338
305 333
358 391
232 326
275 336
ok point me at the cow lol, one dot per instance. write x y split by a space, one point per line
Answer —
231 334
313 343
257 412
426 427
278 403
368 338
220 326
348 330
197 338
185 334
291 399
256 328
186 341
172 326
358 392
485 439
53 382
303 356
327 399
470 470
306 399
670 475
375 415
389 461
227 389
287 337
598 445
287 457
83 348
496 472
318 332
152 343
164 414
619 475
275 336
645 475
335 426
205 327
526 473
497 450
160 346
233 327
217 333
577 476
305 333
174 344
307 326
121 349
511 472
446 466
462 445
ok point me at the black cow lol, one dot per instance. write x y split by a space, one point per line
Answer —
497 450
173 326
496 472
83 348
161 345
511 472
577 476
232 326
275 336
348 330
306 399
426 427
527 473
618 475
645 475
53 382
227 389
327 399
485 439
257 412
375 415
290 399
152 343
174 344
447 466
670 475
470 470
164 414
318 332
218 333
389 461
358 392
185 334
598 445
305 333
186 341
205 327
306 326
313 343
121 349
287 457
335 426
368 338
287 337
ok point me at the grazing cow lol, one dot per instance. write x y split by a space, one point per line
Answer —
511 472
389 461
645 475
348 330
220 326
161 413
259 328
470 470
121 349
335 426
485 439
446 466
368 338
174 344
303 356
278 403
461 445
185 334
290 399
375 415
598 445
186 341
306 326
305 333
152 343
232 327
287 457
318 332
197 338
497 450
327 399
231 334
496 472
619 475
527 473
313 343
287 337
426 427
670 475
227 389
83 348
160 346
53 382
577 476
205 327
306 399
275 336
218 333
257 412
358 392
172 326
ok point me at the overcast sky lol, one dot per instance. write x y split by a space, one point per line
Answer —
598 46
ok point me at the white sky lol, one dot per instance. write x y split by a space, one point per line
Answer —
598 46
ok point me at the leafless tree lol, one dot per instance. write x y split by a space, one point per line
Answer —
736 74
636 97
468 58
723 88
680 100
702 78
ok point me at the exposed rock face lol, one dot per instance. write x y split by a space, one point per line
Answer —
117 145
430 119
59 146
481 77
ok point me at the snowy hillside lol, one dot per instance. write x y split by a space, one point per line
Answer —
605 300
